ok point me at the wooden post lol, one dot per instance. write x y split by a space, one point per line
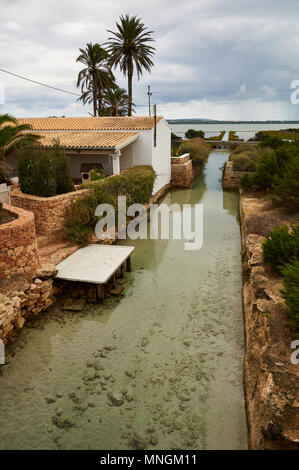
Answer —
129 264
122 270
101 292
114 281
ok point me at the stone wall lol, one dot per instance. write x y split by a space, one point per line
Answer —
18 248
181 170
271 380
49 211
17 307
231 178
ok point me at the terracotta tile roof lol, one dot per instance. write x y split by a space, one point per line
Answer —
90 123
87 140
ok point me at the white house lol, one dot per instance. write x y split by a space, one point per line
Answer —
116 143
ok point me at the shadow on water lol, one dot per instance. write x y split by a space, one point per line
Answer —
161 367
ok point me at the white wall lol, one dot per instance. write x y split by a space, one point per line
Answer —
161 155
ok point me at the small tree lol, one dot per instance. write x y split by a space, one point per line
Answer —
192 133
44 172
291 291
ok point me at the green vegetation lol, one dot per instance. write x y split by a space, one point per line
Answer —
136 184
291 291
96 174
129 48
44 172
277 171
288 134
244 157
281 253
192 133
198 149
232 136
116 102
281 247
216 137
11 137
95 77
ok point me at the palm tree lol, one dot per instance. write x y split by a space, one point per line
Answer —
12 134
117 101
129 49
95 76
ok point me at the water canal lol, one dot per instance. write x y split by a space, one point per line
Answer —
160 367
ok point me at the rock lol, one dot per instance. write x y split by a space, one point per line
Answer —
62 423
139 442
19 323
116 398
144 342
46 271
154 441
117 291
129 396
131 374
49 400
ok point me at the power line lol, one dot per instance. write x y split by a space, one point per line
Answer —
39 83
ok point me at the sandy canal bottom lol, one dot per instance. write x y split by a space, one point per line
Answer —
169 351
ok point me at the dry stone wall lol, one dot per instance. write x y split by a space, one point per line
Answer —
49 211
18 248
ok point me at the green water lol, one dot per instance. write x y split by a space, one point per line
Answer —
173 343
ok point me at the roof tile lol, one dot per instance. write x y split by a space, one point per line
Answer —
90 123
87 140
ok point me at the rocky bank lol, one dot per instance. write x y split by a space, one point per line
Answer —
271 380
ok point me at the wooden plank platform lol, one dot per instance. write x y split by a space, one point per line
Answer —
94 263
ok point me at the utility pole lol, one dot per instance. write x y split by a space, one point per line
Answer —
155 125
149 99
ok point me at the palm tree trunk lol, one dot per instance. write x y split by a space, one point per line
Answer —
130 76
94 93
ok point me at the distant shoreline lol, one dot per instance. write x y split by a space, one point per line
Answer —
210 121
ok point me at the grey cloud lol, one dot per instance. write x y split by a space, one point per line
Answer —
205 51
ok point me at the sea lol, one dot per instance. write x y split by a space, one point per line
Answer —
244 130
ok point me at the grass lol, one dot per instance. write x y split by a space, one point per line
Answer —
216 137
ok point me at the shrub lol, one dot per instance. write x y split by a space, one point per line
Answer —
135 183
198 149
175 137
242 162
271 141
44 172
281 247
286 187
247 181
217 137
232 136
192 133
291 291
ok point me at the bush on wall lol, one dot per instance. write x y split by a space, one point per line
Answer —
44 172
291 291
136 184
198 149
281 247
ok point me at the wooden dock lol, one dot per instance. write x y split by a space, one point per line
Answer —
96 264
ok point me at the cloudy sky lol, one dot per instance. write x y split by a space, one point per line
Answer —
217 59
